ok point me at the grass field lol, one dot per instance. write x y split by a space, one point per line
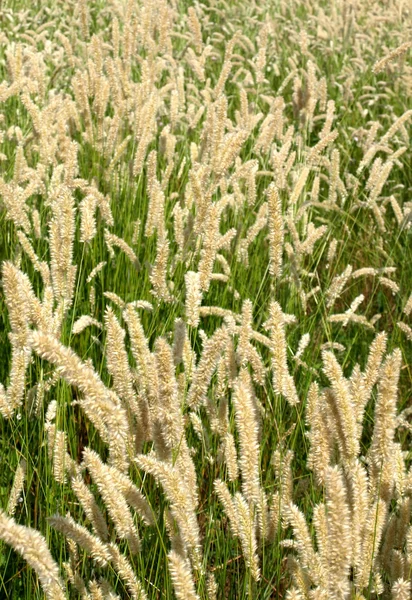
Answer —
205 299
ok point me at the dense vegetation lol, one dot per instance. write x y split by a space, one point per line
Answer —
206 299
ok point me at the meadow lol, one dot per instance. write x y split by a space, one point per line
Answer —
205 300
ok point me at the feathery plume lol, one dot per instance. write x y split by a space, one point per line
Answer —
230 455
113 498
181 501
382 448
338 548
101 406
90 507
33 548
182 578
83 322
59 457
304 546
337 285
193 298
246 424
117 359
247 534
79 534
207 364
321 444
275 224
125 570
17 488
401 589
114 240
282 380
158 276
62 230
408 306
344 407
226 499
381 64
406 329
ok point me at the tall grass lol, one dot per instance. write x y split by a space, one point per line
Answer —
205 302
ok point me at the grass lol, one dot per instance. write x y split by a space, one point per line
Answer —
360 244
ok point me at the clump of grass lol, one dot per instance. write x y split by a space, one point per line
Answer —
205 300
